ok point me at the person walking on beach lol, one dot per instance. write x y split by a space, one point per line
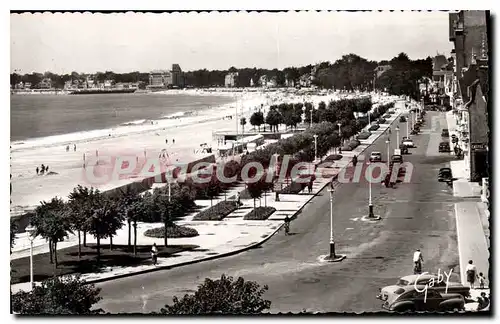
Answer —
166 141
46 168
37 170
74 147
173 140
471 273
67 148
154 254
42 169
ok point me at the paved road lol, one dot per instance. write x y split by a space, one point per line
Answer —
417 214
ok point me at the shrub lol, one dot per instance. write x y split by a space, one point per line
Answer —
333 157
363 135
217 212
260 213
175 231
293 188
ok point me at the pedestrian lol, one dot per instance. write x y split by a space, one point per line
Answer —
67 148
471 272
166 141
154 254
36 170
483 302
42 169
173 140
418 259
310 185
74 147
481 280
46 168
287 225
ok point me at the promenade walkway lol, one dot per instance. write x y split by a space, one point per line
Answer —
216 238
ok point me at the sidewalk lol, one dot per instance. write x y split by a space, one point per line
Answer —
217 238
472 244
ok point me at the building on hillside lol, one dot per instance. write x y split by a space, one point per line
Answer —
46 83
470 85
177 80
164 79
305 80
231 80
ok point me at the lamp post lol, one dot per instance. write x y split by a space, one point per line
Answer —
340 138
332 256
388 142
407 128
304 111
397 135
31 230
370 205
315 147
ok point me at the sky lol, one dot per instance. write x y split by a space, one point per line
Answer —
126 42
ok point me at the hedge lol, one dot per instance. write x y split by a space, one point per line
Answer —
217 212
260 213
333 157
363 135
175 231
293 188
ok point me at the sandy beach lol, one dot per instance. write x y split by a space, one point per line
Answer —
189 132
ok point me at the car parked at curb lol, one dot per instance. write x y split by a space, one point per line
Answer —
444 147
409 299
444 175
408 142
375 157
445 133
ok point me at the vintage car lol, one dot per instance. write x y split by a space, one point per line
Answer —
403 148
375 157
409 299
445 133
408 142
402 119
444 175
444 147
422 280
399 160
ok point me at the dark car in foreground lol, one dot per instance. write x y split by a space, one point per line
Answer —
445 133
409 299
444 147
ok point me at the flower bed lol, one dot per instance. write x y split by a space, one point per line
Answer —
363 135
293 188
217 212
175 231
260 213
333 157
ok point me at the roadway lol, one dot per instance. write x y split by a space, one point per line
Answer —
414 215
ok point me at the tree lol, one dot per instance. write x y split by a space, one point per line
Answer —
255 191
105 220
257 119
222 296
80 205
126 200
273 118
138 210
243 122
51 222
58 296
13 231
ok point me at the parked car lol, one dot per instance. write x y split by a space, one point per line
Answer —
373 127
445 133
444 175
444 147
403 148
408 299
402 119
424 279
408 142
375 157
399 160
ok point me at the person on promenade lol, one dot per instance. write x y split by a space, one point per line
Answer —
154 254
42 169
418 259
37 170
471 273
354 160
287 225
310 185
481 280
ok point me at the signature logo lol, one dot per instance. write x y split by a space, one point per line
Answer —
433 282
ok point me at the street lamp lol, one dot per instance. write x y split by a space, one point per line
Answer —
370 205
332 257
311 120
31 230
340 138
397 134
304 110
407 128
315 147
388 142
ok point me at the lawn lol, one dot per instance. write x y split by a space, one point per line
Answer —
68 262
